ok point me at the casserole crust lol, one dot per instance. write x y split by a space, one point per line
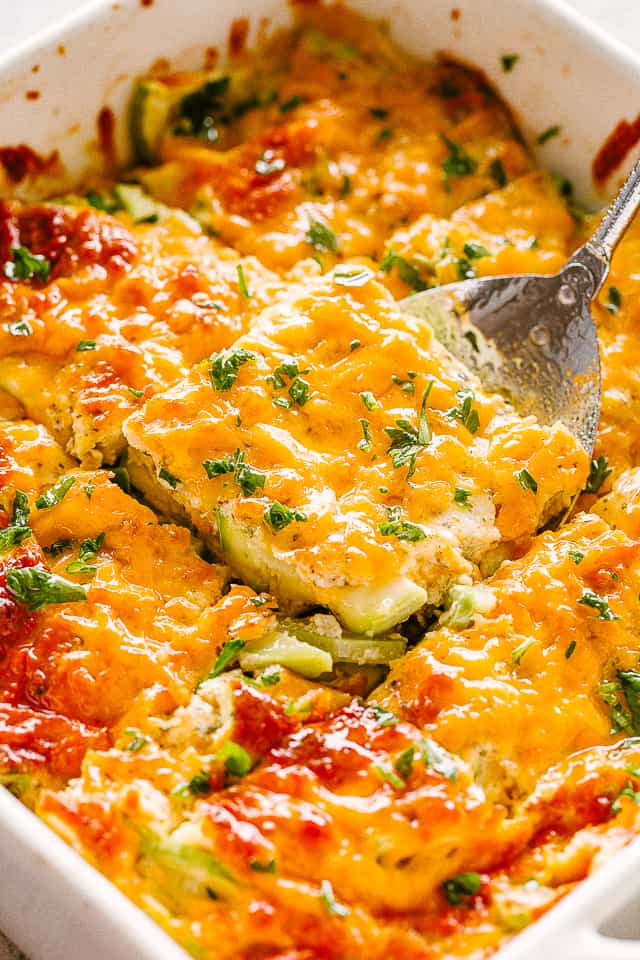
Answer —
413 726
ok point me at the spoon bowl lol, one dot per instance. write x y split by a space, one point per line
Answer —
532 338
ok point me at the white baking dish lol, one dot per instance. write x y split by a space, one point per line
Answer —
52 903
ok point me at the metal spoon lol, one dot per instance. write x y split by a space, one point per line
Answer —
533 338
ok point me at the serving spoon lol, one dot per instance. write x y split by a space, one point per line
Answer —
533 337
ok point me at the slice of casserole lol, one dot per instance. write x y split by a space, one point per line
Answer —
337 455
99 311
539 661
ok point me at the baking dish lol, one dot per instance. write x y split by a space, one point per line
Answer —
47 107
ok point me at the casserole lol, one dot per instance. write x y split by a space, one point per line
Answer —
548 15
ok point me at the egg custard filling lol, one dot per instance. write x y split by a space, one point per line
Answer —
313 647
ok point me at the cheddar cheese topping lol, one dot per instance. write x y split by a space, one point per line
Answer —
298 645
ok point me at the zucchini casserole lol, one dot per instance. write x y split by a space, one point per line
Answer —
311 645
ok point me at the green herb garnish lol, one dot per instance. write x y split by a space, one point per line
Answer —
278 516
247 477
227 655
459 163
614 301
461 887
596 602
320 237
407 441
465 412
405 270
168 478
26 265
526 480
55 494
225 365
548 134
599 470
36 587
19 328
242 283
366 442
352 277
89 550
83 346
461 497
394 526
328 898
236 760
508 61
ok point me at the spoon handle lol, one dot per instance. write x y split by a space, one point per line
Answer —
619 215
596 253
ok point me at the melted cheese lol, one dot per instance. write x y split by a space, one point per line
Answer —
271 816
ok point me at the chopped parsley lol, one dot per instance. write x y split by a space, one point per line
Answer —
36 587
137 741
320 237
247 477
548 134
136 393
200 110
497 172
278 516
26 265
385 134
459 163
299 391
328 898
268 164
623 717
570 650
384 718
99 202
19 328
168 478
576 556
404 762
405 270
200 784
614 301
225 365
380 113
389 776
268 867
242 283
521 649
407 385
461 497
366 442
236 760
596 602
508 61
352 277
628 792
465 412
83 346
394 526
55 494
58 546
292 102
526 480
227 655
354 344
599 470
407 441
89 550
461 887
18 530
474 250
369 400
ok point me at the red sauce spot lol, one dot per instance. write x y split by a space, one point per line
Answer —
615 148
32 95
21 162
260 722
255 195
455 14
238 35
106 123
69 239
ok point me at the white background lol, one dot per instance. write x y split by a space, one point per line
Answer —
20 19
